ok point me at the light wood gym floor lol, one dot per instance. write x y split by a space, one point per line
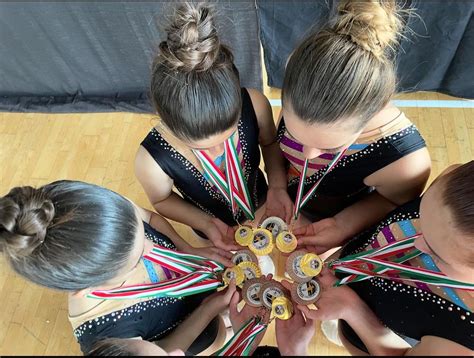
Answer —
36 149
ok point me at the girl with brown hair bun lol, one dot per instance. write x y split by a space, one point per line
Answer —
337 112
82 238
207 120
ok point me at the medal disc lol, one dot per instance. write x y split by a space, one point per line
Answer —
243 235
251 292
282 308
244 256
269 291
305 293
250 270
235 273
311 264
293 266
275 225
262 242
286 242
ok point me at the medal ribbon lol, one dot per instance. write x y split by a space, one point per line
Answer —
241 343
232 184
377 266
301 199
197 274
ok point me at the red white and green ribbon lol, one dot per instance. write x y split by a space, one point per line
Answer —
197 274
241 343
232 184
301 199
374 263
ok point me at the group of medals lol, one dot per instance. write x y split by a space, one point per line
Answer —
258 291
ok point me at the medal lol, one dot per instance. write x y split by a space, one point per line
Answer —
262 242
305 293
286 242
243 235
294 269
269 291
250 270
311 264
282 308
235 273
244 256
251 292
275 225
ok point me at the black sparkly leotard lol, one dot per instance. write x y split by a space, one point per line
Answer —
410 310
150 319
191 182
344 185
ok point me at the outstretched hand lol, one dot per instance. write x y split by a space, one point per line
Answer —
320 236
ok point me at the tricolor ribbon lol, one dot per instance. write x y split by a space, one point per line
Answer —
231 184
374 263
196 274
301 199
241 343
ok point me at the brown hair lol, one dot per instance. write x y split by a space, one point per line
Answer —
345 69
112 347
458 196
195 86
67 235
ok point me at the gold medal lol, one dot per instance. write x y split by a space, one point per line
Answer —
275 225
282 308
262 242
305 293
269 291
250 270
244 256
235 273
286 242
293 266
243 235
251 292
311 264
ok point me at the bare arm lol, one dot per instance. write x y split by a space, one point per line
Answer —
380 340
395 185
159 188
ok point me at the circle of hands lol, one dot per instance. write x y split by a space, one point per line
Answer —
317 237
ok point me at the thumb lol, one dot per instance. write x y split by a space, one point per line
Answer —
311 315
306 240
233 311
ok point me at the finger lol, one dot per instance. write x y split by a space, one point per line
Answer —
234 301
309 313
327 278
286 284
231 289
306 240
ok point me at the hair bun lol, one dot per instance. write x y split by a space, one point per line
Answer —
192 43
25 215
372 24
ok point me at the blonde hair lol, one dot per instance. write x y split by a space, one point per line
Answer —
345 70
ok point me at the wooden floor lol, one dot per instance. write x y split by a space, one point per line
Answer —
99 148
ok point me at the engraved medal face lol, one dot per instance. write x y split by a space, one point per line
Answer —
308 291
250 270
260 241
243 235
253 294
279 310
296 266
275 225
244 256
287 238
269 294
